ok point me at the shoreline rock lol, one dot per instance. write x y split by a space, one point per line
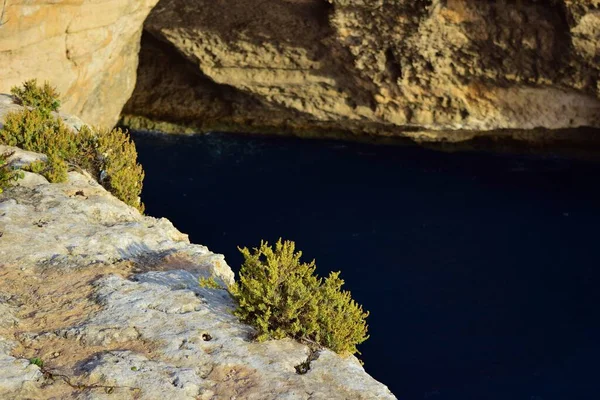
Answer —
429 70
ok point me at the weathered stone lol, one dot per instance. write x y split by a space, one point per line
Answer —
428 67
16 375
204 351
80 222
88 49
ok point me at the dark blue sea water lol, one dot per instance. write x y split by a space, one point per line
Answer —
481 271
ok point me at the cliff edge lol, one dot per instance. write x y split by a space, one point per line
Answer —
98 301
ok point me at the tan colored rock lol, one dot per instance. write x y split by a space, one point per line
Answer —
377 67
584 22
88 49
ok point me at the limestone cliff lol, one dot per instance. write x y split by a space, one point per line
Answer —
109 300
424 68
88 49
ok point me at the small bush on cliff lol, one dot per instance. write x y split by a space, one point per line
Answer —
283 297
108 155
117 156
33 130
45 98
7 174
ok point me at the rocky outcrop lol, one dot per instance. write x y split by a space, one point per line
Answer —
88 49
430 69
109 300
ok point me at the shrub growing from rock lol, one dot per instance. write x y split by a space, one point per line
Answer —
108 155
37 361
283 297
45 98
7 174
119 171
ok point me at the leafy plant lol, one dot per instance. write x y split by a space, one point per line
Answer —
37 361
108 155
8 175
283 297
45 98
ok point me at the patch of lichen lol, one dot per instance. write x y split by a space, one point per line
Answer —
108 155
283 297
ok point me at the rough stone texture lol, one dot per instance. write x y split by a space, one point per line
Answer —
186 94
16 375
424 68
110 301
80 222
88 49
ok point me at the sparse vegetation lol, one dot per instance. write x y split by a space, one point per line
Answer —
7 174
37 361
209 283
108 155
283 297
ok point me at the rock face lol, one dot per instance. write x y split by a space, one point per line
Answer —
88 49
438 67
109 299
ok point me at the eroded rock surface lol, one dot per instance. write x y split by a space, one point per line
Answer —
88 49
428 68
110 301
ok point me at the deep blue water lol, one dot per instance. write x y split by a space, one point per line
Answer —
481 271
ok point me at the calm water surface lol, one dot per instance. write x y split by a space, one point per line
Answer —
481 271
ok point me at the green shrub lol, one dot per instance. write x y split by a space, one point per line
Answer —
341 320
108 155
31 129
7 174
87 156
282 297
124 176
44 98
